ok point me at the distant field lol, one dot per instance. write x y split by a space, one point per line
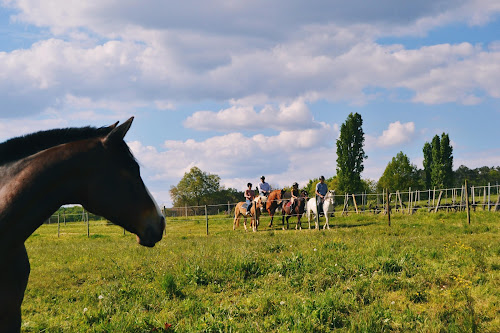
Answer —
427 272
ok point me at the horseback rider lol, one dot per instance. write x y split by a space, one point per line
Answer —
294 195
249 195
321 190
264 188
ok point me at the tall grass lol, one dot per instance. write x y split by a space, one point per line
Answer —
427 272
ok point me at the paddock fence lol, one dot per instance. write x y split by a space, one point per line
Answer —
464 198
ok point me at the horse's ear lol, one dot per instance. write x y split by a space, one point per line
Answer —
118 133
113 126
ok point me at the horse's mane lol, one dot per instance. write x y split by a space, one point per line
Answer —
23 146
274 194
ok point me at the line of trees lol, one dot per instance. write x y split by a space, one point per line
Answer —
198 188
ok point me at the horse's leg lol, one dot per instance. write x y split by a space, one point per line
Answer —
327 218
236 220
245 222
13 282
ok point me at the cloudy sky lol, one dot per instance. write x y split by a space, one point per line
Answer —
250 88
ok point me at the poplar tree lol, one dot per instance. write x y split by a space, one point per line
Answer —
350 154
427 164
438 162
447 160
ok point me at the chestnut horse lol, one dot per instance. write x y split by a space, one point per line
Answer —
42 171
241 210
273 202
299 209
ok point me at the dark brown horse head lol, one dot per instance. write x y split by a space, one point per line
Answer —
115 190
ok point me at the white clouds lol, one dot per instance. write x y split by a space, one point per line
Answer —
397 134
241 117
140 54
296 155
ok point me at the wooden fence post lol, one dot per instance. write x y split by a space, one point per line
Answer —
438 201
388 206
58 226
409 200
206 217
496 205
88 223
355 204
489 196
467 202
165 217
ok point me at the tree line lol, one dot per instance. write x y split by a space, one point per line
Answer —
198 188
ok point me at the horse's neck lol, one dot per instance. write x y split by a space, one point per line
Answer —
31 190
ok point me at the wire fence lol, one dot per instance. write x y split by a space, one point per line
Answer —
485 198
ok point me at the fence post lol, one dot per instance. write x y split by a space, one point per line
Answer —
467 202
58 226
496 205
473 197
388 206
206 217
434 196
489 196
409 200
484 197
165 217
86 216
438 201
355 204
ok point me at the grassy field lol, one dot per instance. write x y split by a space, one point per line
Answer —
427 273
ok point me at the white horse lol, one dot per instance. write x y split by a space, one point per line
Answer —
328 208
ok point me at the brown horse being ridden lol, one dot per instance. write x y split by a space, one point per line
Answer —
241 210
298 210
42 171
274 200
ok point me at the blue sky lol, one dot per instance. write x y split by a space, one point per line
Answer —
256 88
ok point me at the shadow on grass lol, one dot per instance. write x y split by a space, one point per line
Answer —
279 226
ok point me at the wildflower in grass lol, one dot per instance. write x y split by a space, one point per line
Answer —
282 303
315 249
100 297
85 310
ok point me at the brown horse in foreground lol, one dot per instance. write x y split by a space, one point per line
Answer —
299 209
241 209
42 171
274 200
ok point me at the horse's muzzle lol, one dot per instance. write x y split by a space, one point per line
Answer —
153 233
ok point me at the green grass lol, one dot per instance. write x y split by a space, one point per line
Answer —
427 272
